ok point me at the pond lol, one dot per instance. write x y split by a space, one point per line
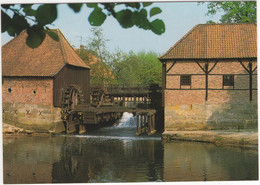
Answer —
115 154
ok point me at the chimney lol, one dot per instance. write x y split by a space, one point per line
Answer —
82 47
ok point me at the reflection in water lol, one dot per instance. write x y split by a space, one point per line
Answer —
200 161
101 160
30 159
115 154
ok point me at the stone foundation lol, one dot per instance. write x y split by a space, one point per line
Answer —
41 118
210 116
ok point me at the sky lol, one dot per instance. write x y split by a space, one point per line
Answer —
179 18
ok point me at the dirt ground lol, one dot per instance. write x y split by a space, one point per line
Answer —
11 130
245 138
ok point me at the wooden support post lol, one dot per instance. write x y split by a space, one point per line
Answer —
153 121
112 99
67 127
207 76
250 81
250 72
142 121
163 82
81 129
206 70
149 125
138 124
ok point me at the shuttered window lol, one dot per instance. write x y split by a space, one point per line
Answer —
185 79
228 80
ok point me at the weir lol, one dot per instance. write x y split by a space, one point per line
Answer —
109 102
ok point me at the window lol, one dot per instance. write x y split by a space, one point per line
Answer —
228 80
9 90
185 80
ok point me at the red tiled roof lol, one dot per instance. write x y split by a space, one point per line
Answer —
216 41
20 60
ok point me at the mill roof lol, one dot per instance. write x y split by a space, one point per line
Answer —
49 58
216 41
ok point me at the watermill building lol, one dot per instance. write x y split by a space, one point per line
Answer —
34 80
210 78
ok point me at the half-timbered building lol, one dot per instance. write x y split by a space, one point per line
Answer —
210 78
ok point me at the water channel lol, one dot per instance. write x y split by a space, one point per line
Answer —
115 154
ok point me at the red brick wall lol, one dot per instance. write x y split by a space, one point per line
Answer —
23 90
173 97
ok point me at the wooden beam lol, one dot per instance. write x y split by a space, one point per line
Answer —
250 81
207 77
200 66
243 66
213 66
250 72
171 66
163 82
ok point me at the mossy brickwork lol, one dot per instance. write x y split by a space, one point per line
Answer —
41 118
28 103
210 116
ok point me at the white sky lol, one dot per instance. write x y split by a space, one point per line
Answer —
179 18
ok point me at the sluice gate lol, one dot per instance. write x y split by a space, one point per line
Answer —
109 102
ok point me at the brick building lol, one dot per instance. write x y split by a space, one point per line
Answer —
34 81
210 78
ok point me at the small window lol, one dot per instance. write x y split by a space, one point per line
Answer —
9 90
185 80
34 91
228 80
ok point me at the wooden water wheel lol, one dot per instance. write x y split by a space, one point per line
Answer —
72 97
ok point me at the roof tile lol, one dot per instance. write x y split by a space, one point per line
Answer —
213 41
46 60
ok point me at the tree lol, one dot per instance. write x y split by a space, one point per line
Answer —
234 12
141 68
95 55
100 72
36 18
96 44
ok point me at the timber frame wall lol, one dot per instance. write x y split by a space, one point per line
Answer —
207 102
206 72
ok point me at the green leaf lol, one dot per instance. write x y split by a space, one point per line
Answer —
18 24
36 35
124 17
97 17
147 4
6 20
11 31
76 7
92 5
133 5
53 35
27 8
6 6
46 14
155 11
158 27
140 19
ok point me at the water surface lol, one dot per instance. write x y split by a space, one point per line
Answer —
115 154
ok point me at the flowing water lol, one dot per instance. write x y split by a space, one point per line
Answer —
115 154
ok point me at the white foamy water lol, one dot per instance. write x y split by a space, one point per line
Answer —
127 120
